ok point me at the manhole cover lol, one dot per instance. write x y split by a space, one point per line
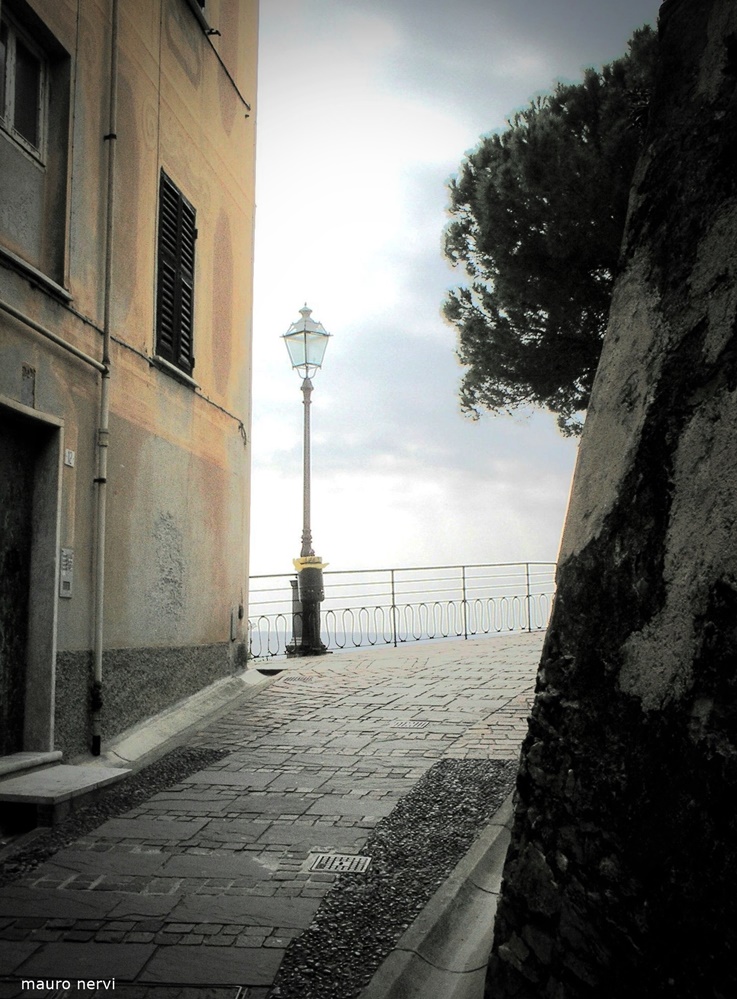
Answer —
292 678
410 723
339 863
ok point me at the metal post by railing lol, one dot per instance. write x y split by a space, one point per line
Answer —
296 618
464 603
529 613
394 610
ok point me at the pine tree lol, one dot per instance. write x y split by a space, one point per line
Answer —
537 217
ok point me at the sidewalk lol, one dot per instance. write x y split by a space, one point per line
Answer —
199 890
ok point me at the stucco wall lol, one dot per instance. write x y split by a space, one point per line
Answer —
176 545
622 873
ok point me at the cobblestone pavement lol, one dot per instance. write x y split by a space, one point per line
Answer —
199 890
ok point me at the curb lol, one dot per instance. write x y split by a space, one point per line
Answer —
147 740
444 952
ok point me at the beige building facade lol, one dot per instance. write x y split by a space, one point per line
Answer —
127 144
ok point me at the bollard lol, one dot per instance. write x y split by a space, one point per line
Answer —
311 594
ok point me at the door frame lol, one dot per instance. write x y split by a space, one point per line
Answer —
43 604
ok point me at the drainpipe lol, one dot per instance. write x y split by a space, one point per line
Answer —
103 431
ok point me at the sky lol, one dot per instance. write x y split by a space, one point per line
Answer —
365 111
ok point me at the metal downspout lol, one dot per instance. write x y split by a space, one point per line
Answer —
103 431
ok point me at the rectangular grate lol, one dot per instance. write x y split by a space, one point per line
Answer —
342 863
410 723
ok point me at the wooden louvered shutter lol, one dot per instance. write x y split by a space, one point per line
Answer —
175 298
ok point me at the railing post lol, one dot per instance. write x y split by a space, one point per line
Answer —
529 610
464 603
394 610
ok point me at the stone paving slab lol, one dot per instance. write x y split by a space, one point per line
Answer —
253 780
320 837
294 912
129 906
213 966
213 866
23 903
163 829
339 804
142 864
274 804
204 884
235 831
303 781
83 960
186 808
13 954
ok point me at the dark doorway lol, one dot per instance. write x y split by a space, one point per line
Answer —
19 447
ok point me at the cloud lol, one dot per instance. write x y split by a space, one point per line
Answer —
403 515
365 110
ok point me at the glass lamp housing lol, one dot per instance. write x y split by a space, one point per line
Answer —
306 342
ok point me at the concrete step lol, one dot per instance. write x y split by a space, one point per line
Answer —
27 761
45 797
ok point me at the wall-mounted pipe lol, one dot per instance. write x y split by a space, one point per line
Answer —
54 337
103 430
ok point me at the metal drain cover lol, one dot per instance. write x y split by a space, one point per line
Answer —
410 723
343 863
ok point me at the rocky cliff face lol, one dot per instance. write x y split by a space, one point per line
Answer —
622 874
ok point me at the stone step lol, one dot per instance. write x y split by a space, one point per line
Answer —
27 761
47 796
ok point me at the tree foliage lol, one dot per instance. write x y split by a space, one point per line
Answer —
537 216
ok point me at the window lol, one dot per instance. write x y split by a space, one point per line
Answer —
35 111
22 86
175 292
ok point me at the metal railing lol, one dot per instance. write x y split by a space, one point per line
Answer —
393 606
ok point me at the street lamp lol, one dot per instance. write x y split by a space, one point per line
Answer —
306 342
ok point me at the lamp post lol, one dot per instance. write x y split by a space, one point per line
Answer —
306 342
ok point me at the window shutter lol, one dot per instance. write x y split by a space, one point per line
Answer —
175 297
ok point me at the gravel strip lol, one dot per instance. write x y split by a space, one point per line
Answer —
108 804
413 850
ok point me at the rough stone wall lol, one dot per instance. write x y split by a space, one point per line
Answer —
622 874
